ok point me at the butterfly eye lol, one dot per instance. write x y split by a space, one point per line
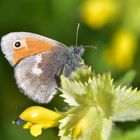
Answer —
17 44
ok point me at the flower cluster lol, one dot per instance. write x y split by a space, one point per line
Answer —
122 50
123 17
95 103
97 13
39 118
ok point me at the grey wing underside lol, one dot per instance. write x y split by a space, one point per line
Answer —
41 87
56 65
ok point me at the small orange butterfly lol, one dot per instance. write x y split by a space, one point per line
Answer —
38 61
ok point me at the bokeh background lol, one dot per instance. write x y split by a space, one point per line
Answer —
113 26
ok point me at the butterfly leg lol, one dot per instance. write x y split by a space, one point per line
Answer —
67 70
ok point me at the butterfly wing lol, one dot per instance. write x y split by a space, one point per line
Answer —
38 63
31 44
37 75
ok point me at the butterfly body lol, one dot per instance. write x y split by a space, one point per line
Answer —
38 62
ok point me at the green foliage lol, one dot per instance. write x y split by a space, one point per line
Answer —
93 89
91 98
127 79
129 135
95 104
127 104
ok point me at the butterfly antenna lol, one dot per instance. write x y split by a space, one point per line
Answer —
77 33
91 46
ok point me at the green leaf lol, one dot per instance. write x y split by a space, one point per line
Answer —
133 134
127 78
126 105
72 117
98 90
106 130
70 90
90 122
91 101
104 89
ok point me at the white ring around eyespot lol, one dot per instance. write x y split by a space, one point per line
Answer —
17 47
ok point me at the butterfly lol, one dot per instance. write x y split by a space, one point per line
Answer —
38 62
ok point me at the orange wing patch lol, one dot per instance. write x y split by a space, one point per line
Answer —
33 46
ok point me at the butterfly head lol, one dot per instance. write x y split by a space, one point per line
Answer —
78 51
19 45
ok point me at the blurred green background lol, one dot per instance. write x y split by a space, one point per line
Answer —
113 26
